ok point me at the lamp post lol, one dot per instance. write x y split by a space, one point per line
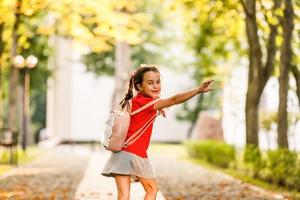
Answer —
25 65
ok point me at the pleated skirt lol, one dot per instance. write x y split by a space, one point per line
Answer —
126 163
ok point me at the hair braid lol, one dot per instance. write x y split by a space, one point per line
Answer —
128 95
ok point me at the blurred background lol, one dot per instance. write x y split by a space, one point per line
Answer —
65 64
85 51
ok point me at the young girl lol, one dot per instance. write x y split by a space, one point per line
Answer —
132 162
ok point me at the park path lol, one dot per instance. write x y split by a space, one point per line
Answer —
52 176
182 180
94 186
64 173
73 173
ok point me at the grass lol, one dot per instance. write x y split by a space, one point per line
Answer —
178 151
32 152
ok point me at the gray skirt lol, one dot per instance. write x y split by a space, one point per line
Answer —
126 163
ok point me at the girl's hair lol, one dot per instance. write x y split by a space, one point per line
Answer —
135 79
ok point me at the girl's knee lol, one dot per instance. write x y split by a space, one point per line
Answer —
123 195
151 189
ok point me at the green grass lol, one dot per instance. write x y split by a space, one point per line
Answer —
179 151
170 150
32 152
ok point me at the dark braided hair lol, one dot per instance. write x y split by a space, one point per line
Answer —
135 79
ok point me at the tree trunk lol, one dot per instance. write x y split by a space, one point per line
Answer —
251 117
1 80
285 65
122 64
196 112
259 73
13 72
255 64
296 74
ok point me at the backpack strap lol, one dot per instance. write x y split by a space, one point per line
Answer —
140 132
143 107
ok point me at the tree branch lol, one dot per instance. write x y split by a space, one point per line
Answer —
1 41
296 74
271 49
255 52
245 8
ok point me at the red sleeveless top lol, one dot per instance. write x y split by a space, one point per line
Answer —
140 146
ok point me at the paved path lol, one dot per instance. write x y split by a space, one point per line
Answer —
67 173
182 180
64 173
95 186
53 176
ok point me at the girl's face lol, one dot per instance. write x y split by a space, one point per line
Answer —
151 84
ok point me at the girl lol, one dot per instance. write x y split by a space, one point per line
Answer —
132 162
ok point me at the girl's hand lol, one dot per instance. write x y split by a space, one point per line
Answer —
204 87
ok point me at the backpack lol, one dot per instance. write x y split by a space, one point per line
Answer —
117 124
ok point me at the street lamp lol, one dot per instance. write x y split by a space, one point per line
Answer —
24 65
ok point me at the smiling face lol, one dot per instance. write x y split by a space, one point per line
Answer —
151 84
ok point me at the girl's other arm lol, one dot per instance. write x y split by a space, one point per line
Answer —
182 97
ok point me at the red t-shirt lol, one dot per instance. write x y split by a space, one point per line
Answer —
140 146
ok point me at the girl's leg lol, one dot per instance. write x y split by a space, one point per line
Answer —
123 186
150 187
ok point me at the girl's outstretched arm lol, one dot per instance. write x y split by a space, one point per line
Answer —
182 97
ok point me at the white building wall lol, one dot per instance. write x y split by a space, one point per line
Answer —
91 103
59 90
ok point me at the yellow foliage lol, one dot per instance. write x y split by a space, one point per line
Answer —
94 23
6 6
107 20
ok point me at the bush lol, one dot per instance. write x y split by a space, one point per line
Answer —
295 179
253 158
283 167
214 152
280 167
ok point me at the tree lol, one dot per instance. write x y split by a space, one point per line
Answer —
295 67
259 71
1 74
122 68
214 39
92 23
6 19
126 53
14 75
16 35
22 28
296 74
285 68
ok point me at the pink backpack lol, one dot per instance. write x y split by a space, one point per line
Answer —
117 125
